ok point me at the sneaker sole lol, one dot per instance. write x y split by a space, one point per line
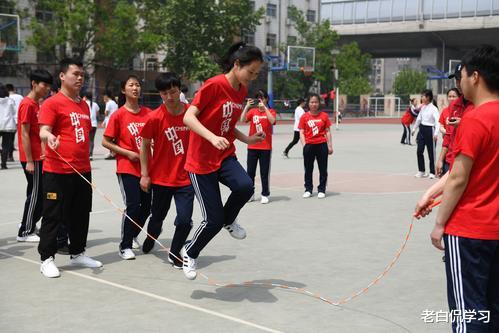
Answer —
50 277
125 258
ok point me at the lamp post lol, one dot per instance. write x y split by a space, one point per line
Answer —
334 53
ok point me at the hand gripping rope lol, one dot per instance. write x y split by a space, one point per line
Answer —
303 291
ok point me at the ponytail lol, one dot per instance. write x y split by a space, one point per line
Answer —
241 52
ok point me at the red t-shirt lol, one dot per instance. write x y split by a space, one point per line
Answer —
124 127
456 109
314 127
28 114
444 115
477 213
171 140
71 122
259 123
407 118
220 107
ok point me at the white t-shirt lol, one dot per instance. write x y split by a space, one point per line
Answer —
94 110
17 101
183 99
111 106
298 113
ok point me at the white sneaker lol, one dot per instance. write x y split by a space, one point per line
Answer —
83 260
236 231
264 200
420 174
127 254
31 238
49 269
307 194
431 176
321 195
252 198
135 243
189 266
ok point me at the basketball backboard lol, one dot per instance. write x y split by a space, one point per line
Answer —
10 30
301 58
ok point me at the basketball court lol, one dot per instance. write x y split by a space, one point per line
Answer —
332 248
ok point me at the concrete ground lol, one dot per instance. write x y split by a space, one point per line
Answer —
332 247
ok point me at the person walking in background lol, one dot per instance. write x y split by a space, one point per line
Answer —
427 122
8 115
110 108
31 153
299 111
261 119
17 100
315 137
122 137
94 112
407 119
445 129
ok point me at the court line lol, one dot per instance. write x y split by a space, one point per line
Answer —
154 296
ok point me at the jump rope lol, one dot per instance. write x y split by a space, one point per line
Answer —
303 291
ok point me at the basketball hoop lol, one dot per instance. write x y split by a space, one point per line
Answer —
307 71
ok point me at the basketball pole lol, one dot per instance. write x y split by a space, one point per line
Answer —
270 87
336 106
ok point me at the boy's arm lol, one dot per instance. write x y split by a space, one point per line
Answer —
145 150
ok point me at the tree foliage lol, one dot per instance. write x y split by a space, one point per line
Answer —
409 81
353 67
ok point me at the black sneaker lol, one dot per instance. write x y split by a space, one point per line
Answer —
177 264
148 245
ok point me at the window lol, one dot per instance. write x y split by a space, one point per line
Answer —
398 11
271 40
360 11
372 11
348 12
337 13
483 7
44 15
292 40
311 15
271 10
385 10
249 38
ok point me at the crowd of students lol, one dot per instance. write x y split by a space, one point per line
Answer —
180 151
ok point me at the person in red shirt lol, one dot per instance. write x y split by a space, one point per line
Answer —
164 171
122 137
468 218
315 137
411 113
211 159
30 153
445 128
261 119
65 127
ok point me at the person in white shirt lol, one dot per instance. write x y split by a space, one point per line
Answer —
111 107
183 91
299 111
8 114
17 101
94 111
428 125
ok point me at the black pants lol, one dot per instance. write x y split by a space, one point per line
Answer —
264 156
425 139
34 200
138 208
312 152
296 138
92 139
215 213
161 201
7 145
406 135
472 269
66 197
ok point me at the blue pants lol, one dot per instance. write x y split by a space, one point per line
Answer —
161 201
472 268
138 208
425 139
215 213
264 157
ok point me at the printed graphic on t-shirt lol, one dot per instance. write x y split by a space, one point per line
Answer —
134 129
258 124
313 126
172 136
75 122
227 111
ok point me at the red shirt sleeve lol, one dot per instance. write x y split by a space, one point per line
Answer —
25 114
327 121
301 125
147 131
113 126
274 114
249 114
470 139
205 95
48 114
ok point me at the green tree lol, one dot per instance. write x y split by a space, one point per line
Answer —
409 81
196 33
353 67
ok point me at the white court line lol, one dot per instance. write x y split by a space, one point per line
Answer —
157 297
296 189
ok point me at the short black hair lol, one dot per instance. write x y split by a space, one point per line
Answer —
184 89
9 87
313 95
458 93
241 52
109 94
262 94
41 75
3 91
66 62
165 81
428 94
485 61
89 96
300 100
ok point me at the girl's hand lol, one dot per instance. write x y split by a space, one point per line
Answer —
145 183
330 150
256 138
133 156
